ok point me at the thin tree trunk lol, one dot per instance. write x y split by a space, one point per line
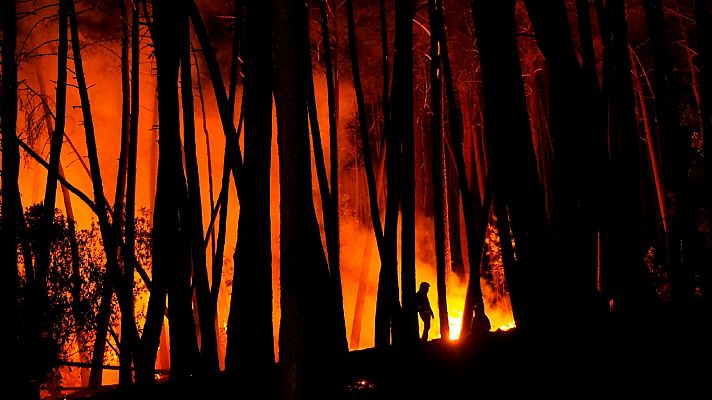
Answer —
40 301
475 214
306 332
109 239
129 254
209 154
436 147
382 318
120 192
250 347
333 234
206 316
170 236
404 126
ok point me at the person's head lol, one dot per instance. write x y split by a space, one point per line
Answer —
424 286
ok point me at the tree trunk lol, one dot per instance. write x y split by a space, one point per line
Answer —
170 236
675 155
333 234
578 156
703 17
387 253
109 239
623 270
436 147
512 161
306 332
206 316
402 104
129 254
120 192
475 214
250 347
12 334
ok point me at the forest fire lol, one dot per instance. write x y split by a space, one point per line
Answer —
196 188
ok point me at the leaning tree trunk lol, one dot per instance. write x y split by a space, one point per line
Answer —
306 332
250 347
436 148
170 239
512 161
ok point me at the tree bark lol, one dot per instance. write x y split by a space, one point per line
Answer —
170 236
206 317
402 111
112 279
19 377
573 128
250 347
623 270
334 226
437 166
306 332
512 161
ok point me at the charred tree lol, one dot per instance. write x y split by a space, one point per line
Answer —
112 279
129 254
170 239
474 212
306 332
18 377
623 270
334 227
578 155
437 166
206 318
250 347
402 112
387 298
511 155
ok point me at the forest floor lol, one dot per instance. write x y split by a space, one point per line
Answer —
662 359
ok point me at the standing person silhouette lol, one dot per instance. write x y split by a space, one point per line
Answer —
423 307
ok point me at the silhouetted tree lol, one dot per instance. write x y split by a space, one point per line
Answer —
511 155
250 347
306 330
402 111
624 273
18 377
170 237
437 165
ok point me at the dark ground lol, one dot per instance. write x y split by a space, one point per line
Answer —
660 359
